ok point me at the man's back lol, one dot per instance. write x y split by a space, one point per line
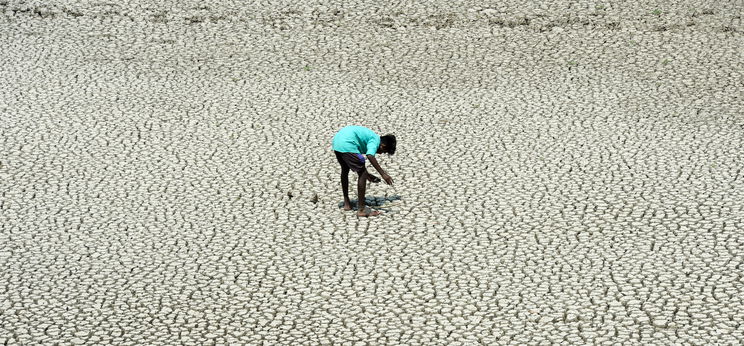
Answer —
356 139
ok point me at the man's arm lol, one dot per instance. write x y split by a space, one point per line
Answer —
376 165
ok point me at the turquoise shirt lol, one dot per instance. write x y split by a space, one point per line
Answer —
356 139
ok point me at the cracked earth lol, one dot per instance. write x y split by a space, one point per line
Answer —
567 172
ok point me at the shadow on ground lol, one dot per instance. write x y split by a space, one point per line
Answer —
378 203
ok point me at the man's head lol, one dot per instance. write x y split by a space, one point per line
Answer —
387 144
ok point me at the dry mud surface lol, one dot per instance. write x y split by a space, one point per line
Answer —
569 172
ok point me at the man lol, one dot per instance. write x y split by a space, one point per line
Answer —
351 144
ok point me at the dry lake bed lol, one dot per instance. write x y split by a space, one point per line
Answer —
567 172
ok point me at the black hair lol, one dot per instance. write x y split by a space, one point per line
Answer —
389 142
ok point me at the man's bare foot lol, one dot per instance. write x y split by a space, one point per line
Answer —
368 212
347 207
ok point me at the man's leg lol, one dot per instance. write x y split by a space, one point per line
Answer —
361 190
344 179
345 187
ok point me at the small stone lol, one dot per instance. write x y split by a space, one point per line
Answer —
545 319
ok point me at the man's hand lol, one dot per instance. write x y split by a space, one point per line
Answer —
388 179
376 165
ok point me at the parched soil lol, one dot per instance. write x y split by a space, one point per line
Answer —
568 172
